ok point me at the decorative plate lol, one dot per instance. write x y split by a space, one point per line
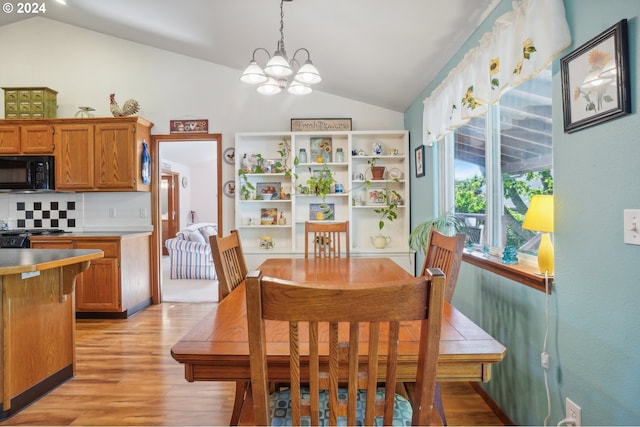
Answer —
229 188
229 155
394 173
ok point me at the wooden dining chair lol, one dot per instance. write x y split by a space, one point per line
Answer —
328 239
229 262
231 268
445 252
347 339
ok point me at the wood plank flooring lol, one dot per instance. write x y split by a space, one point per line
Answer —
125 375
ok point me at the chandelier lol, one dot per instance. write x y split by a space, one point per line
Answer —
274 78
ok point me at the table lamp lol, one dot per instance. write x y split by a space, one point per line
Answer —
539 217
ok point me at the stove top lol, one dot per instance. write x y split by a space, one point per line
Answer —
19 237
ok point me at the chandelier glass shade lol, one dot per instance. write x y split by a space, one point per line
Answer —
277 72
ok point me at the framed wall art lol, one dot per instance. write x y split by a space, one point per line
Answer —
313 125
419 159
595 80
189 126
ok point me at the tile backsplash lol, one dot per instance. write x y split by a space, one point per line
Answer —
77 211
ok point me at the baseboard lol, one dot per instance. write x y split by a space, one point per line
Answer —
492 404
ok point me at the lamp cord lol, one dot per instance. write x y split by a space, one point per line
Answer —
544 345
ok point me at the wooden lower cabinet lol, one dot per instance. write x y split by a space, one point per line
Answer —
115 286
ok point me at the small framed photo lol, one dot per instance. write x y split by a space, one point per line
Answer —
268 190
322 211
595 80
320 150
268 216
420 161
189 126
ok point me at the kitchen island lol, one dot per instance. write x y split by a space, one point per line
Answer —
37 321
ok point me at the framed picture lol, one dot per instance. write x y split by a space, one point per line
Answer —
595 80
266 188
268 216
320 150
420 161
322 211
313 125
189 126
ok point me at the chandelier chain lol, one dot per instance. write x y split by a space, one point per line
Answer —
281 25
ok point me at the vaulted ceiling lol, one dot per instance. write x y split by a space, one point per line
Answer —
380 52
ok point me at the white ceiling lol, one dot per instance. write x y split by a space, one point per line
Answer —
380 52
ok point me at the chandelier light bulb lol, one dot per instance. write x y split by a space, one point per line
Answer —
253 74
297 88
278 65
270 87
308 74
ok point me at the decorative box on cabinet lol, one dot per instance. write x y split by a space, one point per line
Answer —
115 286
30 103
351 204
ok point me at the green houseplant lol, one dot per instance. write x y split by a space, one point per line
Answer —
447 223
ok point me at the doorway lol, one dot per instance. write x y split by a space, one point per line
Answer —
213 191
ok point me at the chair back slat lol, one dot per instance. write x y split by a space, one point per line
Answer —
345 324
445 253
229 261
328 240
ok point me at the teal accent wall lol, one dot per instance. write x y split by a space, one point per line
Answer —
593 342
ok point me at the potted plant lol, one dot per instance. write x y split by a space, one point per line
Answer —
246 188
320 182
377 172
447 223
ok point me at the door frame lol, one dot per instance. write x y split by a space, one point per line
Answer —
156 211
173 206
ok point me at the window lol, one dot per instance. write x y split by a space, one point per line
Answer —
499 161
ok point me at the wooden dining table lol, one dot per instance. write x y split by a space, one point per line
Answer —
217 348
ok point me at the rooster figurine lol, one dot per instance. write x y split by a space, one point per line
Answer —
129 108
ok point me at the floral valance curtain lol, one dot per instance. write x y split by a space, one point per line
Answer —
522 43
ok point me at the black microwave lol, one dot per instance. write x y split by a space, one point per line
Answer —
27 173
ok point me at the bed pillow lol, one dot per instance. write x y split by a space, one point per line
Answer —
196 236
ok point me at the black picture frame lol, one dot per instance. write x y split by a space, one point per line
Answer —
419 159
595 80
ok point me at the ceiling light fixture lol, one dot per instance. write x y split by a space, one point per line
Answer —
274 78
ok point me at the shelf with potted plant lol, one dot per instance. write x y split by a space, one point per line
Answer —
339 167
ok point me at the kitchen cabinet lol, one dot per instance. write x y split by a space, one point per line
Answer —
348 156
115 286
34 139
91 154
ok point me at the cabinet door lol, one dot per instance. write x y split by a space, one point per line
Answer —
100 287
36 139
115 156
74 157
9 140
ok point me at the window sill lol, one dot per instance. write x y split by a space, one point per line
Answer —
526 274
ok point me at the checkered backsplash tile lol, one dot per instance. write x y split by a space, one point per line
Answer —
46 214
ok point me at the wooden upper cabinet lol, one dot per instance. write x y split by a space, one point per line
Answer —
115 156
74 157
9 140
36 139
91 154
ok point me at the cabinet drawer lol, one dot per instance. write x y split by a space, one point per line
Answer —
110 249
11 96
24 95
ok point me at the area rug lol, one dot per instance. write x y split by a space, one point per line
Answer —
186 290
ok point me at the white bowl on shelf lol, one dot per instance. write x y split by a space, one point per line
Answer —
266 196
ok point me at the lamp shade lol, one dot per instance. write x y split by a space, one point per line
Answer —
539 216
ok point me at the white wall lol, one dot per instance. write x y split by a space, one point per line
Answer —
85 67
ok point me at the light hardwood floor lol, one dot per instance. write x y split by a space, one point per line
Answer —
126 376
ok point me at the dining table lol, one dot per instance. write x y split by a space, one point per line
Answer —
217 347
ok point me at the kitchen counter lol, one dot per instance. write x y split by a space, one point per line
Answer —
37 322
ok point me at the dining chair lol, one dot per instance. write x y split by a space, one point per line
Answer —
325 238
347 339
445 252
231 268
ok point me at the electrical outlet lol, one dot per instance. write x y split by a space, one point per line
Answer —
143 213
573 413
112 212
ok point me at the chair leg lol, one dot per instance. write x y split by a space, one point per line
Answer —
437 400
241 391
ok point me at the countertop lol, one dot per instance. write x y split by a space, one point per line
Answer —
90 234
16 261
